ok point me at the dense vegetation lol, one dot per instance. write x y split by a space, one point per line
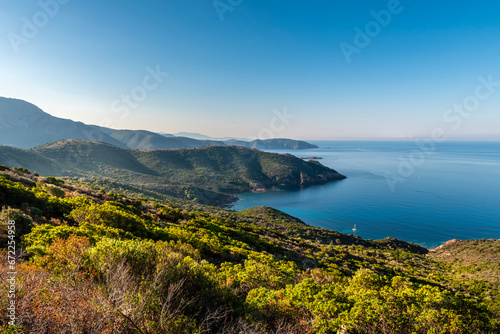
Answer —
109 263
475 265
210 175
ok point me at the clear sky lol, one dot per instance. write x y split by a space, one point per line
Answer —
233 65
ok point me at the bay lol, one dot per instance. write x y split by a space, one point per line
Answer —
426 194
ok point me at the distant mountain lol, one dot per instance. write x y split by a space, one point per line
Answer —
200 136
24 125
260 144
273 144
166 134
146 140
211 174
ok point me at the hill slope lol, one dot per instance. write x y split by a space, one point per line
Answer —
146 140
211 175
474 267
24 125
116 264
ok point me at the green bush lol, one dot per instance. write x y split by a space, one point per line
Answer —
52 189
22 170
22 226
110 215
55 181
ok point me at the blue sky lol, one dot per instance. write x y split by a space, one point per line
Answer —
232 77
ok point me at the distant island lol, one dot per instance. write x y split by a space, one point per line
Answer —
24 125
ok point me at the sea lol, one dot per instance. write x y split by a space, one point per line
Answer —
418 191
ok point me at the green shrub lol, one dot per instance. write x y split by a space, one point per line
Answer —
23 223
42 236
54 190
55 181
109 215
22 170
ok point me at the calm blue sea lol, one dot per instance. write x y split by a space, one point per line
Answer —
426 195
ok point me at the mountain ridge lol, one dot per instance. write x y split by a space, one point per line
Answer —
24 125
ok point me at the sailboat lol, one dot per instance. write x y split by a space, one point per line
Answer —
354 228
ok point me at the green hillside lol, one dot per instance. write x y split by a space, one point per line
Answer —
85 156
475 265
17 157
146 140
209 175
270 214
101 263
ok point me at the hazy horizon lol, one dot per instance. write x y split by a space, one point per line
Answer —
198 135
381 70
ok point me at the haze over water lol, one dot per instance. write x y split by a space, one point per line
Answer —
454 193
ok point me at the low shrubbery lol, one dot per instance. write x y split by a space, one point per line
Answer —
121 265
